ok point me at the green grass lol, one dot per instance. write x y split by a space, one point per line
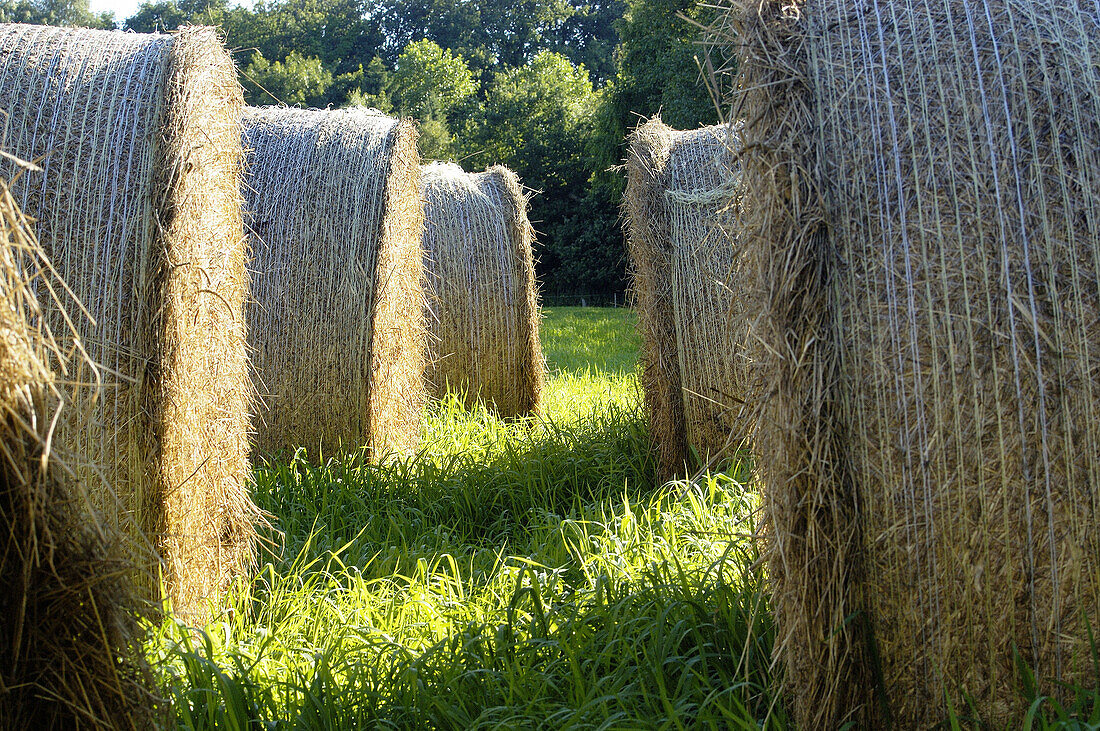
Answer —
518 575
591 358
511 575
579 339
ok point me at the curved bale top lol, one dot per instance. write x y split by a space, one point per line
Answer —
337 326
681 197
483 317
69 642
138 208
926 211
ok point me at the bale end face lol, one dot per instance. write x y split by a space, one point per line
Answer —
530 376
483 308
204 391
337 325
648 236
399 343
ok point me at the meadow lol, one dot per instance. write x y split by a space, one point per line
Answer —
532 574
524 575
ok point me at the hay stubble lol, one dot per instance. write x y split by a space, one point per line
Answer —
69 612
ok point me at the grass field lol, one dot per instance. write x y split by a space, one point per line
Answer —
529 575
522 575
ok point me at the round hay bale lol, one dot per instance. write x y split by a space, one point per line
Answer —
337 323
483 317
69 639
925 210
138 207
682 192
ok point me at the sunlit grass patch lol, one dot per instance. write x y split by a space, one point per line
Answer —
598 338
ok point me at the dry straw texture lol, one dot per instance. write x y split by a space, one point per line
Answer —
70 654
483 317
682 194
139 209
923 206
337 325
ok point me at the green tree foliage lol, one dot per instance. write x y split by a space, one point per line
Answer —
490 34
656 63
536 119
75 13
587 36
436 140
297 80
167 15
375 76
656 71
429 81
339 32
371 89
536 112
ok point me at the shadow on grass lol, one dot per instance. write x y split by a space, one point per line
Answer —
476 499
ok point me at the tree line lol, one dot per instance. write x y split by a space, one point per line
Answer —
549 88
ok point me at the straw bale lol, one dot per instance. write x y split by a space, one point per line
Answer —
70 655
337 325
483 317
651 289
138 207
682 192
925 208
